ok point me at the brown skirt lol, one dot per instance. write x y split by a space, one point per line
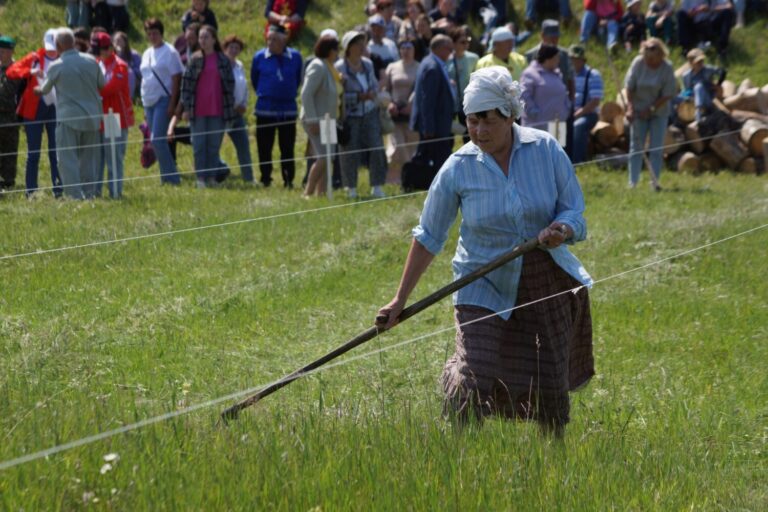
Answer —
523 367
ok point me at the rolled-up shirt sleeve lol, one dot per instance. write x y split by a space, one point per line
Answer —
569 208
439 213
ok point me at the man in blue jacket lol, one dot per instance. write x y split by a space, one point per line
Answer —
433 105
276 75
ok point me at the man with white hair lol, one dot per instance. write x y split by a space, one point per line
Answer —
511 184
502 54
78 81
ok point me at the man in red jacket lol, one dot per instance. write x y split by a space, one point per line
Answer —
116 95
38 113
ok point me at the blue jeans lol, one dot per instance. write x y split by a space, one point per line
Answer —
638 131
581 128
207 135
114 175
238 134
564 7
78 13
157 119
34 131
590 21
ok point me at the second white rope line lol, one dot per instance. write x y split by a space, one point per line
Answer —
7 464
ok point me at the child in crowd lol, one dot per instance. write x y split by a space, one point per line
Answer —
660 19
199 13
633 25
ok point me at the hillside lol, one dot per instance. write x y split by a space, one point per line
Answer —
30 18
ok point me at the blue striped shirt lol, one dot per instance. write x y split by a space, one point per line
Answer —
499 212
594 88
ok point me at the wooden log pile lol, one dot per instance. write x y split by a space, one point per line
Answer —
684 150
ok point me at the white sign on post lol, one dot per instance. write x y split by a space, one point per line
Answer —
557 129
328 131
111 125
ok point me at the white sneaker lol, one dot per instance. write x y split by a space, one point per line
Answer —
352 193
377 192
201 184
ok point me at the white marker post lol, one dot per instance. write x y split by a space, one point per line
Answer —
112 132
558 129
328 137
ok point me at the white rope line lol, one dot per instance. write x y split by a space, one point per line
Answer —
201 228
100 116
298 159
164 137
232 396
233 166
43 121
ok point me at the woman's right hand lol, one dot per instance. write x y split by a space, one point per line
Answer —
392 109
391 312
630 115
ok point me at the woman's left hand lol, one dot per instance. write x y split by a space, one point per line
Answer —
554 235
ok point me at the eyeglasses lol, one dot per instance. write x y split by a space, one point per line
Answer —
463 41
406 46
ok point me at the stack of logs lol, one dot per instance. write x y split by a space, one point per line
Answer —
684 151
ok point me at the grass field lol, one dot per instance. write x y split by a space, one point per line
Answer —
100 337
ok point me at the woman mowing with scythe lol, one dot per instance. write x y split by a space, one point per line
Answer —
511 183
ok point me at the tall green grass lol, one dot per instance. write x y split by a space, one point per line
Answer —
97 338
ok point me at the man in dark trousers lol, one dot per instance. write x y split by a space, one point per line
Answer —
9 126
432 114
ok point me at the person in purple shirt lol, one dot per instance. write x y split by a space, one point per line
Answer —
544 93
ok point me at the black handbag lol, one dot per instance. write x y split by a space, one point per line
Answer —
342 132
418 174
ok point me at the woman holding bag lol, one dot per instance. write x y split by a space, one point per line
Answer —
320 95
361 117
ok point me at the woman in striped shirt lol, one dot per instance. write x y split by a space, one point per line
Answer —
522 344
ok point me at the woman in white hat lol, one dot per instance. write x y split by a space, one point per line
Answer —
514 358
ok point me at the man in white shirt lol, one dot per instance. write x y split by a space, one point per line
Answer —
380 46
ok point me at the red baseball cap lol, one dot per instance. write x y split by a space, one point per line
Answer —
101 40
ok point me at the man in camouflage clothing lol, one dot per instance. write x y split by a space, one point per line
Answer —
9 128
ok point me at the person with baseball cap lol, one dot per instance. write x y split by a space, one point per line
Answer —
589 93
39 114
9 129
115 96
699 82
502 54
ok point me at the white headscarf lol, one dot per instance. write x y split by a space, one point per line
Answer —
493 88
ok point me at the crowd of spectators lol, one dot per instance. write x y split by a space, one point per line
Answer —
399 79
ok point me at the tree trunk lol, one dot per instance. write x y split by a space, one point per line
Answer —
729 88
730 149
686 111
748 166
692 135
710 162
752 134
605 134
673 140
687 162
610 110
752 100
